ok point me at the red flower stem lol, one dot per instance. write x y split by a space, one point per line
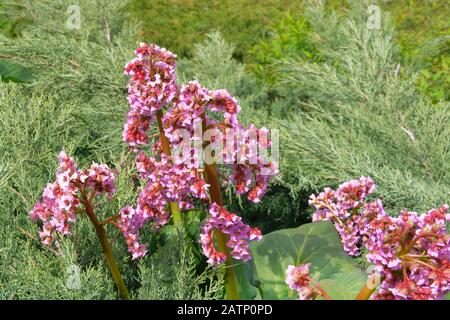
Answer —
417 238
110 219
101 234
210 173
165 146
366 292
231 288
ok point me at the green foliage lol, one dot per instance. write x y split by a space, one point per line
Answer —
423 37
213 65
288 39
84 67
317 243
13 72
177 24
171 274
352 114
75 100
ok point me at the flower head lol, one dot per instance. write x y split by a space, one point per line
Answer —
298 279
343 208
411 251
61 199
152 85
230 224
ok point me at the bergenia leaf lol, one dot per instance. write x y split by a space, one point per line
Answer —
317 243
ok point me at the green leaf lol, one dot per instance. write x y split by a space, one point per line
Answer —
246 280
13 72
344 286
317 243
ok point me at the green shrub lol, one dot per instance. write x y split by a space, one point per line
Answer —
177 24
355 115
174 276
288 39
75 100
423 37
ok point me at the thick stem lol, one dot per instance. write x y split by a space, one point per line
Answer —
231 288
112 264
165 146
368 289
365 293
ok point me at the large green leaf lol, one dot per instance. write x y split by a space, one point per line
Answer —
317 243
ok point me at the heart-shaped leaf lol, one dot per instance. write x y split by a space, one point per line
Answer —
317 243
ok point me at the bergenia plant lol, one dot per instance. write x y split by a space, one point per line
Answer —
198 129
192 120
201 146
410 252
73 193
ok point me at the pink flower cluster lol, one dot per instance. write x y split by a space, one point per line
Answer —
165 182
190 108
298 279
230 224
411 251
187 112
340 207
152 85
100 178
61 198
239 145
129 223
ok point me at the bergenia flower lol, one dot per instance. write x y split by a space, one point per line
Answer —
191 107
61 198
411 252
152 86
230 224
130 222
298 279
197 107
340 206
